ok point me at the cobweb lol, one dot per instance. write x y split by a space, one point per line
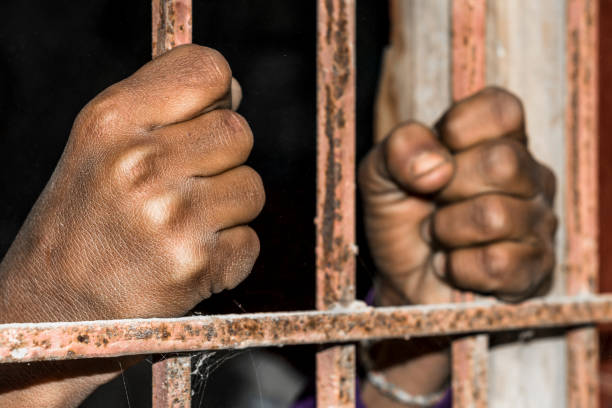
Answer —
203 365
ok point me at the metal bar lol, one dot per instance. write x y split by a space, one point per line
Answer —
470 355
582 192
335 221
172 383
24 342
171 26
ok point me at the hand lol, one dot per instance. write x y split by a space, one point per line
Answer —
464 206
145 213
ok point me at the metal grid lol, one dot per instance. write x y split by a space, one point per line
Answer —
341 319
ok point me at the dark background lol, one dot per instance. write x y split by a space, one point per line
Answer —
55 56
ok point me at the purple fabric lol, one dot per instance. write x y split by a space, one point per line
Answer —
310 402
447 401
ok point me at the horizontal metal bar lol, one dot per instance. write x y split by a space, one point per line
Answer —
22 342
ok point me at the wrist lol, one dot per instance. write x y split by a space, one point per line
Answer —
56 384
31 293
419 368
386 294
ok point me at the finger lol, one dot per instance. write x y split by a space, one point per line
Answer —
496 166
409 159
234 255
232 198
176 86
549 184
484 219
208 144
236 95
489 114
509 269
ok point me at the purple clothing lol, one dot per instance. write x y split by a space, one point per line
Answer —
310 402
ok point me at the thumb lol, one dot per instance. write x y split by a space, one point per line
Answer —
410 158
235 94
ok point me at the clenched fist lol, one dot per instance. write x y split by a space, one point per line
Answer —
462 205
146 212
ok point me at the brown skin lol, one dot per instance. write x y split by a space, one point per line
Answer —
144 216
468 209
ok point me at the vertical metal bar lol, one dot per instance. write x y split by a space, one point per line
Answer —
335 221
470 354
172 383
582 192
171 26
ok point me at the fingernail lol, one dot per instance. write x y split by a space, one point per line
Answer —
425 163
438 263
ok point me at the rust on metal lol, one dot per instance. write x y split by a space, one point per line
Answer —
171 26
470 354
468 43
173 382
335 153
335 221
24 342
582 192
470 387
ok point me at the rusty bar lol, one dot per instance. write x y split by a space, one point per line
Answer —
469 354
582 192
171 26
24 342
173 377
335 221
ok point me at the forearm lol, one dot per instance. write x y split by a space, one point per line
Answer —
27 299
56 384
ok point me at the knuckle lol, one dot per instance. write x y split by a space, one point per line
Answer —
490 216
245 256
501 163
548 183
204 64
135 165
160 210
102 113
188 260
236 131
408 127
254 188
235 256
507 108
450 126
548 261
397 136
554 224
497 264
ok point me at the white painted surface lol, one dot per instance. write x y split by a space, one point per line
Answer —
526 54
416 79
